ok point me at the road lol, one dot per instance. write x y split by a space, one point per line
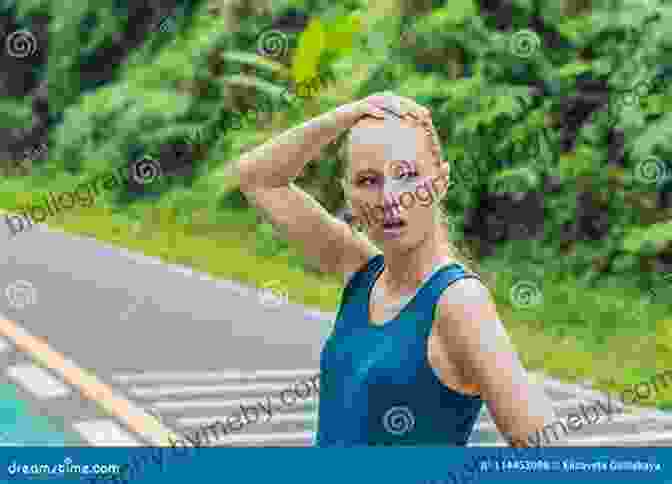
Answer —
188 349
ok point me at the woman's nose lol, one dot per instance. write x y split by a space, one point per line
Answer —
391 204
392 188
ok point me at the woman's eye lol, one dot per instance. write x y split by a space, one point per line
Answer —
367 181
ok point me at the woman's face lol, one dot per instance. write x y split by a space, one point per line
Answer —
394 180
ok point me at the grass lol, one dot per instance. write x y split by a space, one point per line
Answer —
603 335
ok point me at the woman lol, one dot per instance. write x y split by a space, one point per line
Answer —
417 344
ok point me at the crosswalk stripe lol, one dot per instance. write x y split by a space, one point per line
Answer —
602 440
267 439
162 377
619 419
38 381
219 404
640 437
162 391
105 433
183 394
295 417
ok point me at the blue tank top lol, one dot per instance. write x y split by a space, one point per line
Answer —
376 385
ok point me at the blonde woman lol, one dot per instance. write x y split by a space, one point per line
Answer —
417 345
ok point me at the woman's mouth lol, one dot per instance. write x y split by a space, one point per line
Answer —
393 228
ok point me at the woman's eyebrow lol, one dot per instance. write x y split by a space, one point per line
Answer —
367 171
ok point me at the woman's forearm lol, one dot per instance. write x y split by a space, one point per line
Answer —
279 161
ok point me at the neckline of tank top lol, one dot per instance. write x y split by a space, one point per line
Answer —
378 292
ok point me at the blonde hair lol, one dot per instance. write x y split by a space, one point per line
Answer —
457 253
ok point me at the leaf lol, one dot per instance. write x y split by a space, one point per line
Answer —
572 70
340 34
456 14
654 237
514 180
312 42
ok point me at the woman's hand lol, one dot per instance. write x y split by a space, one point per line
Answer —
387 104
399 106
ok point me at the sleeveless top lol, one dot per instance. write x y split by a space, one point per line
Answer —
376 385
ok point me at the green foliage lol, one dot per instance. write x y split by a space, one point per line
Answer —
500 138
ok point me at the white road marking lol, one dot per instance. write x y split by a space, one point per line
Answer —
38 381
268 439
220 404
105 433
264 388
618 419
295 417
158 377
604 440
625 439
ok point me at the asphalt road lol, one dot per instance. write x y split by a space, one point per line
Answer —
190 349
